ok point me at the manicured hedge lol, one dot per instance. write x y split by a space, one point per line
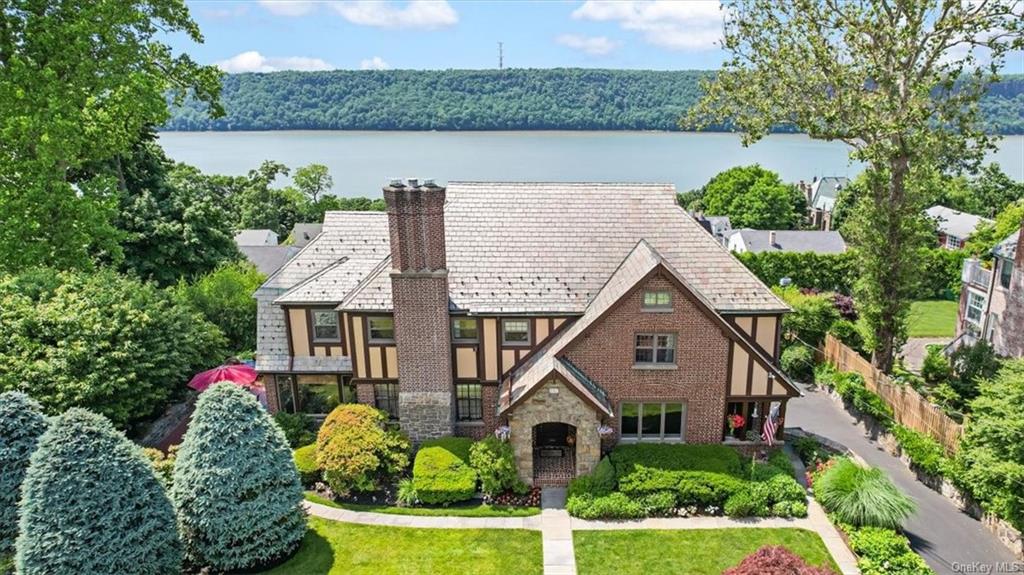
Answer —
883 551
678 456
441 473
21 423
305 463
356 452
91 504
600 481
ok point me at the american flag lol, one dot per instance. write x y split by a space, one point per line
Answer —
768 432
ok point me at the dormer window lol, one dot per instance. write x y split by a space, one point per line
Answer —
657 301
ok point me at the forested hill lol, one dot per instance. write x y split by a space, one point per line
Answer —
517 99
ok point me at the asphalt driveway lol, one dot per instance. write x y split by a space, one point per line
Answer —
950 541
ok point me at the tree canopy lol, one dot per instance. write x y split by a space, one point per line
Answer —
80 80
101 341
753 197
899 82
510 99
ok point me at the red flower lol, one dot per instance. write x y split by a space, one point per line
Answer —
736 421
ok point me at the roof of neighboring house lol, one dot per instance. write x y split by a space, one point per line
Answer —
641 262
791 241
268 259
525 248
256 238
954 223
1008 247
303 233
825 191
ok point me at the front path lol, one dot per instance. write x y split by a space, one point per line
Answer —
939 532
556 528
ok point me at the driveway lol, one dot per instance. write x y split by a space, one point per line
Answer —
939 532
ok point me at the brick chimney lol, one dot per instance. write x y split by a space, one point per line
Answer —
419 292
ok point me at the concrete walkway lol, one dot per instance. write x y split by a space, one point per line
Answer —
916 349
556 533
444 522
946 538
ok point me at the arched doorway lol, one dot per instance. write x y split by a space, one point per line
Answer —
554 453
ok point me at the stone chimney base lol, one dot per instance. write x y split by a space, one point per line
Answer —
425 414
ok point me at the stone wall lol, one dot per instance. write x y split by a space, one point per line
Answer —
425 414
558 406
606 355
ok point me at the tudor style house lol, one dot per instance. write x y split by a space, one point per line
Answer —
568 315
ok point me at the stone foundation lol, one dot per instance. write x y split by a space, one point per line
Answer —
425 414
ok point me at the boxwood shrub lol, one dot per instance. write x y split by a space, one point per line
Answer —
236 489
21 423
92 504
615 505
305 463
678 456
600 481
883 551
441 473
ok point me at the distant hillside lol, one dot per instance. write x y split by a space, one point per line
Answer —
520 99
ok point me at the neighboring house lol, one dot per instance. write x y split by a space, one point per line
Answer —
304 233
578 315
715 225
261 249
256 238
953 227
757 241
992 300
821 197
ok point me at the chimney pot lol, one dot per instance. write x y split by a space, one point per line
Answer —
413 182
395 183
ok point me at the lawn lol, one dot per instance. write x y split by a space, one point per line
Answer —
337 548
932 318
694 552
454 510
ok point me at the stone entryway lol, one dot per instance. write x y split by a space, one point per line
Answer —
557 412
554 454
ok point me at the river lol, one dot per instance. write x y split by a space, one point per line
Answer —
360 162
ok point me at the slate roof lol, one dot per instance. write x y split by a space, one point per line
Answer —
303 233
954 223
268 259
256 238
825 191
526 248
641 261
1008 247
790 241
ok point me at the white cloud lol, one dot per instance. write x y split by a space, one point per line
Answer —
253 61
288 7
375 63
692 25
424 14
593 45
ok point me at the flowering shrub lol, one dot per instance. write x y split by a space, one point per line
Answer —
775 560
355 451
736 421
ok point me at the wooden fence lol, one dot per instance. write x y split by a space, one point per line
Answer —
909 407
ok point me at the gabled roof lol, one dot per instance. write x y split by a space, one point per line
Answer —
303 233
255 238
641 263
825 191
268 259
820 242
1008 247
954 223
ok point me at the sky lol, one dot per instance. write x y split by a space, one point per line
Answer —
276 35
269 35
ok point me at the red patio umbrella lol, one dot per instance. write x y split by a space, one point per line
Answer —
239 373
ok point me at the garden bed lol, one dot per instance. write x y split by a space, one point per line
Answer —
472 508
644 480
694 552
349 549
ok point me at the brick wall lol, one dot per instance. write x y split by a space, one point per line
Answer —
419 292
606 355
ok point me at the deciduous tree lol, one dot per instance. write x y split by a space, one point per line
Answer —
898 81
78 81
754 197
